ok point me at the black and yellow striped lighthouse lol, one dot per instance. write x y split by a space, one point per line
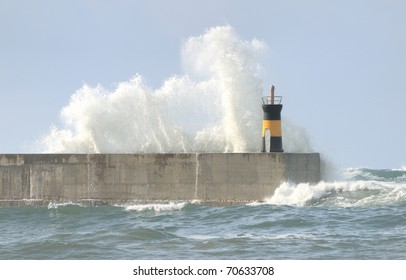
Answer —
271 124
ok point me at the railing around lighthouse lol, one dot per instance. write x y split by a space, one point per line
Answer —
267 100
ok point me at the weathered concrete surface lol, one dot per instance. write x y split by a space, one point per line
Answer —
112 178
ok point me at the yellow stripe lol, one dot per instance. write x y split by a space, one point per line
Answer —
274 127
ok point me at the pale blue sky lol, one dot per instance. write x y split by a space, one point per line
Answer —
339 64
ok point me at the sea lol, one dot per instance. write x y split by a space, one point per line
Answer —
360 217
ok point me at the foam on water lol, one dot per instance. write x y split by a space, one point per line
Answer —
341 194
156 207
215 106
56 205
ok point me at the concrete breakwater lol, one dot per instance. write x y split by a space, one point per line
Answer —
115 178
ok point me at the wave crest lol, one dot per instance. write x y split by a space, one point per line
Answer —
341 194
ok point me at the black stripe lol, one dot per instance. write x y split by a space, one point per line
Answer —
272 112
276 144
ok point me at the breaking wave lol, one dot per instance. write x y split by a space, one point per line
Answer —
363 187
368 174
215 106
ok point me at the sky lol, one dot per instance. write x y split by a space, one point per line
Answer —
340 65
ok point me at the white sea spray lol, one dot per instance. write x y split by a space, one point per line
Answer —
214 106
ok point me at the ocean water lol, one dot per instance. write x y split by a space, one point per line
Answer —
360 217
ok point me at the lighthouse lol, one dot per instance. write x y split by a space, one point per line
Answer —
271 124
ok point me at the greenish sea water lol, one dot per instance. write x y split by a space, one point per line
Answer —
360 217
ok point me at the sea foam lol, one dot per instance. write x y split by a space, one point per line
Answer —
340 194
156 207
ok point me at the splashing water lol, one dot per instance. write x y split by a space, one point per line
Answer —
363 187
156 207
214 107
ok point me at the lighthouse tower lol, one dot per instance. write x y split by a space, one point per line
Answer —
271 124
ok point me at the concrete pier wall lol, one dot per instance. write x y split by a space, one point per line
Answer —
112 178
